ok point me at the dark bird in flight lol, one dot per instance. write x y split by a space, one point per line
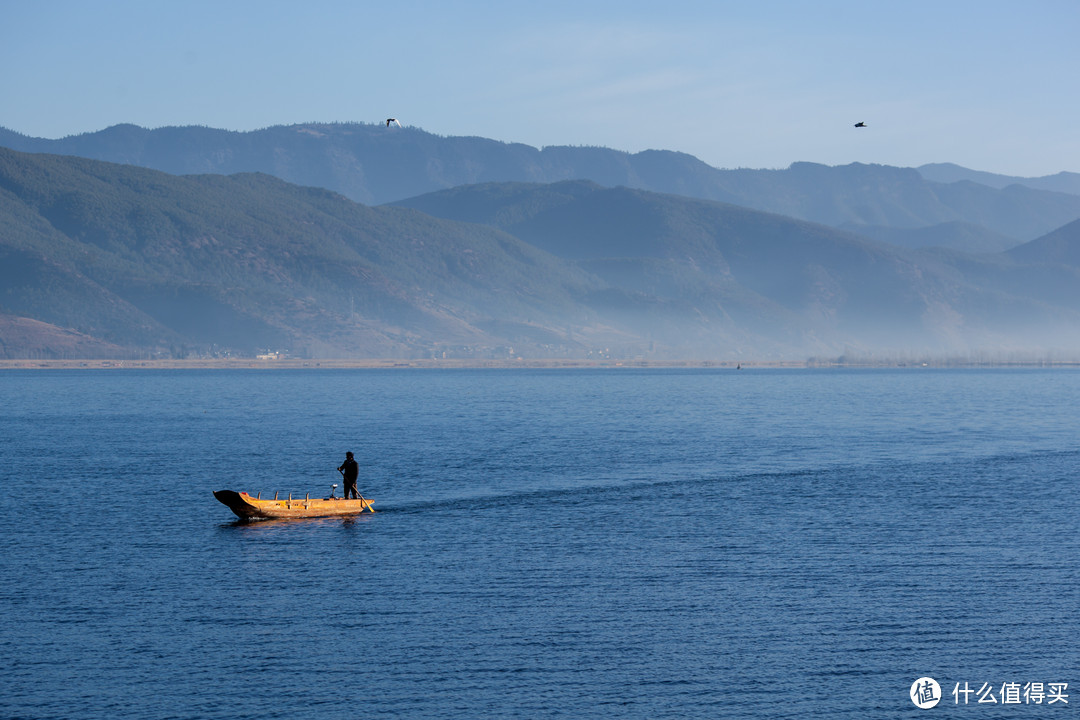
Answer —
860 124
392 120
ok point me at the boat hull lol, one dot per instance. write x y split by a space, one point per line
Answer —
249 508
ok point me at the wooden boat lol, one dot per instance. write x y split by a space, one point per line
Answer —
247 507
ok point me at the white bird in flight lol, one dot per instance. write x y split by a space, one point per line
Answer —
392 120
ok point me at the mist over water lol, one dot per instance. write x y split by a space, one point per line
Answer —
597 543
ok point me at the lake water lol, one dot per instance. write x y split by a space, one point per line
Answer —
576 544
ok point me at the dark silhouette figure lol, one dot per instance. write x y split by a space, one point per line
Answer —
860 124
349 471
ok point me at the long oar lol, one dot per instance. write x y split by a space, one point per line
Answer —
368 506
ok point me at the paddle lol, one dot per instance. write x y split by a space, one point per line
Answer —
368 505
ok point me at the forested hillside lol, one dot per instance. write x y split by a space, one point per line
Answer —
141 259
104 259
375 164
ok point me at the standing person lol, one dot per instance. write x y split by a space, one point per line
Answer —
349 471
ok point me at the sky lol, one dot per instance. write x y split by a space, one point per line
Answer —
986 84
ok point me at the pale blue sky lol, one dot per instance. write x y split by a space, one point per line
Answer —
987 84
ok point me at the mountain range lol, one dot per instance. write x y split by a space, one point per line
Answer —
596 252
376 164
138 259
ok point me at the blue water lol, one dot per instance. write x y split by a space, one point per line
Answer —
574 544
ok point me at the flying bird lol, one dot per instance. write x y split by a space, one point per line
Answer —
860 124
392 120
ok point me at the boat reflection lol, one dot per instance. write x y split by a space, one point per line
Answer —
275 525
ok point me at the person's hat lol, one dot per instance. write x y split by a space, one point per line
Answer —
348 454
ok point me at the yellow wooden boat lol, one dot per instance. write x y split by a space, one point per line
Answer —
247 507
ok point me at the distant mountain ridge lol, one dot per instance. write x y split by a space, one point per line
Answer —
110 259
1063 182
374 164
1060 247
763 270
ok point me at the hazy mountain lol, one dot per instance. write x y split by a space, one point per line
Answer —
876 195
760 270
141 259
1063 182
1061 247
961 236
97 256
375 164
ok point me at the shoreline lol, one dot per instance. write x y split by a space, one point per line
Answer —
368 364
445 364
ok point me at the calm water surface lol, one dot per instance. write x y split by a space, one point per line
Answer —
578 544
